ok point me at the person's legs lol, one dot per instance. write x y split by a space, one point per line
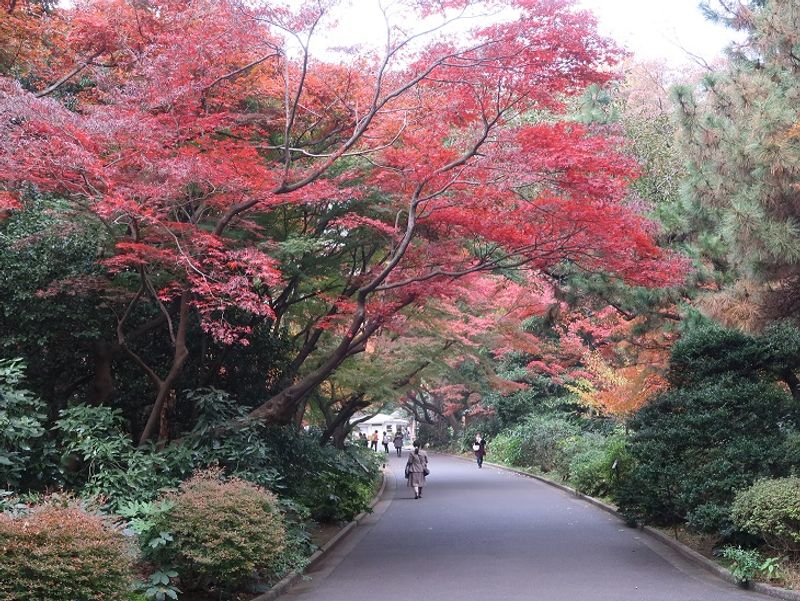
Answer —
420 492
480 460
416 492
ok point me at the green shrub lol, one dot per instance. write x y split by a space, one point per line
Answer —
599 470
695 447
22 418
770 509
544 442
225 532
745 564
103 461
62 553
504 448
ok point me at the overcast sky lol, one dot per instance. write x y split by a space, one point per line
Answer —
651 29
658 29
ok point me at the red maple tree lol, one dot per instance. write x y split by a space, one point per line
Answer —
443 155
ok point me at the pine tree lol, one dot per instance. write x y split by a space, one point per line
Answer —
740 134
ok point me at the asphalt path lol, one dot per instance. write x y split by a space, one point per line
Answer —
490 534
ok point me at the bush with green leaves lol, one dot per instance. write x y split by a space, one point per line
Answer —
60 551
600 469
744 564
544 442
226 531
22 426
101 461
150 522
748 564
336 485
722 426
770 510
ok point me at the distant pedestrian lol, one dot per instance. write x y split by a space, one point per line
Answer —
374 441
398 443
417 469
387 438
363 438
479 448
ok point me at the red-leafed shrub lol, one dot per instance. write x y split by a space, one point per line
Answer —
225 532
62 554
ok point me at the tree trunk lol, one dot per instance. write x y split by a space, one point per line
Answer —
165 386
337 424
789 377
103 381
280 409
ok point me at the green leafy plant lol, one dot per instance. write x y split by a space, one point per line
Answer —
770 509
745 564
104 463
770 567
160 587
150 522
22 418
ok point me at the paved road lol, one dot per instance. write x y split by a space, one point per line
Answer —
490 534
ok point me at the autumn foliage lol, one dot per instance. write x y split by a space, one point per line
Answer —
206 136
62 553
225 531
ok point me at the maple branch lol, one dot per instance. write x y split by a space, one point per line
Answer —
160 304
50 89
234 74
157 381
126 314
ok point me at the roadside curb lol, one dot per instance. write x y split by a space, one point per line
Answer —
686 552
292 577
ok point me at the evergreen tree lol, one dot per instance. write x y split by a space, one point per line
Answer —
740 135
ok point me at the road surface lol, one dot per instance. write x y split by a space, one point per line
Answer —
488 534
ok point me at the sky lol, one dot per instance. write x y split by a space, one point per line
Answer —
660 29
651 29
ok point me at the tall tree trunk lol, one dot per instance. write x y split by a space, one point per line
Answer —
164 388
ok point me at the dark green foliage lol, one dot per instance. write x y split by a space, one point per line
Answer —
22 429
335 485
99 458
51 330
547 443
744 158
723 425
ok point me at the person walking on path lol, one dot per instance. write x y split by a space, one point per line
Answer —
374 441
417 469
398 443
386 440
479 447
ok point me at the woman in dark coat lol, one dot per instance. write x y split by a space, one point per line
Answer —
398 443
479 448
417 469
